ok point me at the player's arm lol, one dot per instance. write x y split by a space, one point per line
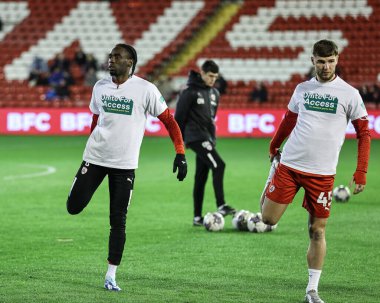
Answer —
286 126
175 135
364 144
94 122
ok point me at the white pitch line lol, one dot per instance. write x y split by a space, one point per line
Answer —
48 170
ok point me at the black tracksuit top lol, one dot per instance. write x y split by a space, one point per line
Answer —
196 110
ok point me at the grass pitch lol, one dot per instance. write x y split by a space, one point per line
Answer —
47 255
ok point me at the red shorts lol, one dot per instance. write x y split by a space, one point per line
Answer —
318 190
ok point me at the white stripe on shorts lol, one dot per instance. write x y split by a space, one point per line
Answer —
212 160
72 185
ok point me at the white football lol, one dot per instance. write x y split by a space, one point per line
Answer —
240 219
255 224
341 193
213 221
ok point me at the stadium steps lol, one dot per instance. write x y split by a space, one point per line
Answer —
209 31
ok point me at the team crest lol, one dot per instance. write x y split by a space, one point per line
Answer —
207 145
84 170
272 188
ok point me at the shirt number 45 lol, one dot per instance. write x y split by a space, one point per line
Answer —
325 199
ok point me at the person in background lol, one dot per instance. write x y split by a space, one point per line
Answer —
259 93
90 77
316 122
195 113
120 105
39 72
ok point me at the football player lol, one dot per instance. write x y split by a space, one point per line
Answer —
120 105
316 123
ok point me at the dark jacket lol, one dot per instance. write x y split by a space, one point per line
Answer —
196 110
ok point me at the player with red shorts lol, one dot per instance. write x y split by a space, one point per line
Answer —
315 125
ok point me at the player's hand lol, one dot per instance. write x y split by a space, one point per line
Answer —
359 178
358 187
275 154
180 163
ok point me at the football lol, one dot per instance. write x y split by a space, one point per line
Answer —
213 221
255 224
240 219
341 193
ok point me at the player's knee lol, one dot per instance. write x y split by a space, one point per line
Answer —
223 165
220 166
71 209
316 233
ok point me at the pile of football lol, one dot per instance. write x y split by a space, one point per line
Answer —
245 220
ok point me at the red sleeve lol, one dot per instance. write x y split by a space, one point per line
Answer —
286 126
175 133
364 144
94 122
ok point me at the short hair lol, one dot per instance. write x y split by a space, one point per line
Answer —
210 66
325 48
132 52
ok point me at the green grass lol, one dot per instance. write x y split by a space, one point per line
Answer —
47 255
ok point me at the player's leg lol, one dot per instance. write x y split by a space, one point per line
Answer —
210 157
273 167
279 194
272 211
317 201
315 257
120 189
317 247
86 181
201 175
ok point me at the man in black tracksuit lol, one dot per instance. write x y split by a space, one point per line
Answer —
195 115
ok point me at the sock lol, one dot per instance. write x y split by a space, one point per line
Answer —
314 275
197 218
111 272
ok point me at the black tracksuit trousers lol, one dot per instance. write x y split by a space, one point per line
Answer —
207 158
120 183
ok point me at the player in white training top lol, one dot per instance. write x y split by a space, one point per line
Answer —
120 105
316 120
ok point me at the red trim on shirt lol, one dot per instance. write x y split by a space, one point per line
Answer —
174 132
94 121
286 126
364 145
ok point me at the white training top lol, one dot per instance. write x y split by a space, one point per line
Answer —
123 109
324 110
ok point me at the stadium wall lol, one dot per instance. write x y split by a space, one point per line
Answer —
75 121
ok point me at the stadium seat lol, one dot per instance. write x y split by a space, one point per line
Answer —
265 41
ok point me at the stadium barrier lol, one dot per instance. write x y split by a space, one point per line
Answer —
76 121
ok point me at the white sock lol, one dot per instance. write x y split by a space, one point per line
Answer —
314 275
111 272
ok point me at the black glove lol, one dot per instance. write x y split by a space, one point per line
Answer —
180 163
